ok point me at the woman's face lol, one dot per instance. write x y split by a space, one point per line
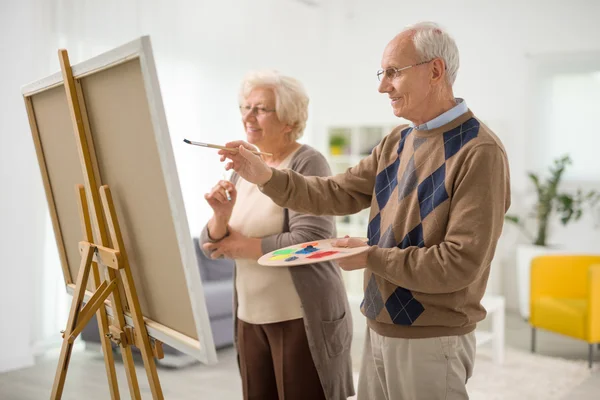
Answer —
260 119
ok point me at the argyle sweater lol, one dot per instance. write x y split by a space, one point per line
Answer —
438 200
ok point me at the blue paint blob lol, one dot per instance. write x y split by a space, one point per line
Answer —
292 258
307 250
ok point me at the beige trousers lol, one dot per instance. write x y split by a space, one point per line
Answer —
416 369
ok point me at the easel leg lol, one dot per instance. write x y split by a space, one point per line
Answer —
119 318
109 360
138 322
119 322
67 348
131 293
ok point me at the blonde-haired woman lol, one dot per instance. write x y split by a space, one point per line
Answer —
293 325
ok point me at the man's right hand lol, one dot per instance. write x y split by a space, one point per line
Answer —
247 164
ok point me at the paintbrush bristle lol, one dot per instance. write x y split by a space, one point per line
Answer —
187 141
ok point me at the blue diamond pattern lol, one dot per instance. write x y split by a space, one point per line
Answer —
373 231
385 183
455 139
403 308
372 303
414 238
387 180
432 191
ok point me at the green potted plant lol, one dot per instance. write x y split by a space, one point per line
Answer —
550 201
337 144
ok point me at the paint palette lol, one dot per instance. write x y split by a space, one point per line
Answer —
309 253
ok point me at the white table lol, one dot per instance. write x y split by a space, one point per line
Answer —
495 307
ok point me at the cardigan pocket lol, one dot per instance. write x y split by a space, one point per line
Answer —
336 335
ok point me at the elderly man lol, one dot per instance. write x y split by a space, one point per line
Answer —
438 191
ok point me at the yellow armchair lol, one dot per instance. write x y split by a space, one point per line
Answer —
565 297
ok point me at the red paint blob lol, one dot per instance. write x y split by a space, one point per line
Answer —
322 254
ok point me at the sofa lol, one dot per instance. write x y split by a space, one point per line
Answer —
217 281
565 298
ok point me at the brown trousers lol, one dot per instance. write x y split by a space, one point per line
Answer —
276 363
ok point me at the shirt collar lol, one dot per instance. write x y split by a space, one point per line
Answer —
459 109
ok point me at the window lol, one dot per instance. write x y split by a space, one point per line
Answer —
570 123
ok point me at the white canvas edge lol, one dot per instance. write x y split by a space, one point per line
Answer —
182 230
115 56
141 48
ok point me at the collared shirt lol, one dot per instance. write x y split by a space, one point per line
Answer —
459 109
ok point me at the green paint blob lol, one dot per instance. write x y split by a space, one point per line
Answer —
283 251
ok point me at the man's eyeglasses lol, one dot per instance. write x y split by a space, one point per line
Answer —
392 72
255 110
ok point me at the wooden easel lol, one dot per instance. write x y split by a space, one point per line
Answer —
99 254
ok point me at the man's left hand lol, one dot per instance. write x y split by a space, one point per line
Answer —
351 263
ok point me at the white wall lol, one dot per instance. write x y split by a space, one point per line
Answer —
22 205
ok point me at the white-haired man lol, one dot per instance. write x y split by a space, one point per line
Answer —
438 191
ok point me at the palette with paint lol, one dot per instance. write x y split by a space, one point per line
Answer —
309 253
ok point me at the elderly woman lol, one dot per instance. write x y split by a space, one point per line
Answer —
293 325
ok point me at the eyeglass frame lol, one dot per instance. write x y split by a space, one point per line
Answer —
256 111
381 72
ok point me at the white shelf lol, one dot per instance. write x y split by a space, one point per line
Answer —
359 142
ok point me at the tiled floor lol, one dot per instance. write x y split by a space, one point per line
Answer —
87 379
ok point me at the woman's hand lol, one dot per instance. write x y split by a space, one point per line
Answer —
247 164
221 199
222 206
235 245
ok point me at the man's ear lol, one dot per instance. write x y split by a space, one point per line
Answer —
438 70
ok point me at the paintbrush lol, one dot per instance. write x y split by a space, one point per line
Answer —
230 149
226 191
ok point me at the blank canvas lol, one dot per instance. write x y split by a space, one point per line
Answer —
126 127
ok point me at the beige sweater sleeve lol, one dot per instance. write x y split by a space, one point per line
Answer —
342 194
479 202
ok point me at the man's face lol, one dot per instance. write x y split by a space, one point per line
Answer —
408 89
